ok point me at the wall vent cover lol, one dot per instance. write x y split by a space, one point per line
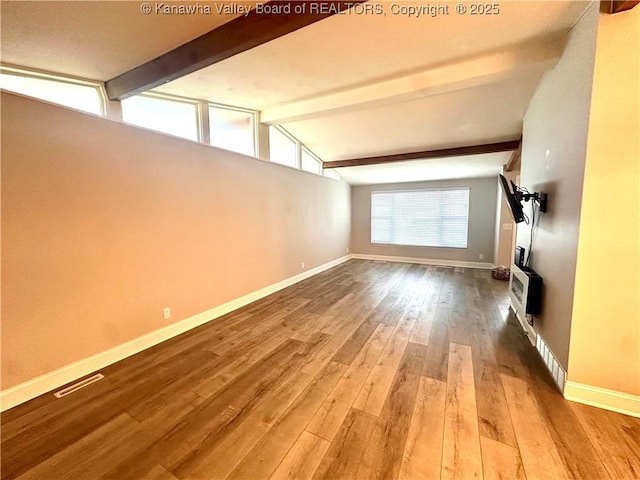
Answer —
77 386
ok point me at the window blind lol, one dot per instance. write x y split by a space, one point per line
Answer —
427 218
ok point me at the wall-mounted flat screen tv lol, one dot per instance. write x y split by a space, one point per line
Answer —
512 199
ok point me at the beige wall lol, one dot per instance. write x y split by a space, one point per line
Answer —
482 219
104 224
553 156
605 331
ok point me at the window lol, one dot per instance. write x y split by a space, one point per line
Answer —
427 218
309 162
70 93
282 148
232 130
331 174
285 149
166 115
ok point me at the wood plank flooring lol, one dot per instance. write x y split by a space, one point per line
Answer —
370 370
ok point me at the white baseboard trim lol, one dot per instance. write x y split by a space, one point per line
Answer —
424 261
50 381
619 402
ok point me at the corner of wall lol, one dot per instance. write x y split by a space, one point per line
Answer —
553 162
604 356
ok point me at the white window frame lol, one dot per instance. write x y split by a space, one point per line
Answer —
297 144
43 75
461 188
254 122
176 99
306 150
299 148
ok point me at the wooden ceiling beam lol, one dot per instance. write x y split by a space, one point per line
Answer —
441 153
617 6
278 18
514 161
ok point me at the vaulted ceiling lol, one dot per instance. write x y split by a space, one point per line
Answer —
348 86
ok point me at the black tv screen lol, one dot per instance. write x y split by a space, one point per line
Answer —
515 207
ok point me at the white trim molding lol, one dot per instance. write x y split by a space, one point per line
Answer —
37 386
425 261
619 402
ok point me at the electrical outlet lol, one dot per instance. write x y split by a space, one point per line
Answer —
302 265
481 256
166 313
347 250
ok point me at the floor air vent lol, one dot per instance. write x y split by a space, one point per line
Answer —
77 386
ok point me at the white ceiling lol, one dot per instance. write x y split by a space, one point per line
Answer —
345 51
471 166
486 114
348 86
96 40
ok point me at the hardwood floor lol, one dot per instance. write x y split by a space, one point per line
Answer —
370 370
